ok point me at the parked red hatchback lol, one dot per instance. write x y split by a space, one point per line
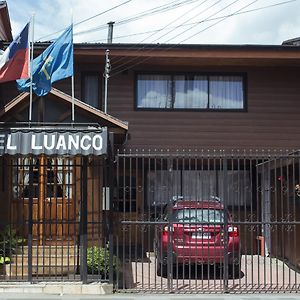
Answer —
195 234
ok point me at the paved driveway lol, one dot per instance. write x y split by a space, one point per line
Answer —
257 274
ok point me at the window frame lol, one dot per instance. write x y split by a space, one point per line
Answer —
243 75
83 76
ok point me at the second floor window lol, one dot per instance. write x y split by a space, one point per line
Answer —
183 91
91 90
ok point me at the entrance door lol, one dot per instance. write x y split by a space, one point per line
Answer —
56 201
54 209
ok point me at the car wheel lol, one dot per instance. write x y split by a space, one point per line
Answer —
234 270
161 270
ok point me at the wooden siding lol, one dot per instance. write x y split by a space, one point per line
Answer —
272 119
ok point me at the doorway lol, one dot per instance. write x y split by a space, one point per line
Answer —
52 187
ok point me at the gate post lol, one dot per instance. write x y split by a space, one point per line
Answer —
83 221
110 219
30 221
225 201
170 225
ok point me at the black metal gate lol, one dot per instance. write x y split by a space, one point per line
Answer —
184 222
207 222
53 218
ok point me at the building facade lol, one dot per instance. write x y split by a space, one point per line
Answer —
183 121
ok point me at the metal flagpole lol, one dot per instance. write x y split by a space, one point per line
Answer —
72 78
30 66
73 101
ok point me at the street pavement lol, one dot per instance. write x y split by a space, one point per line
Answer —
152 297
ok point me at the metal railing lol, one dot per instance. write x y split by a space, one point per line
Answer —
207 221
154 221
53 219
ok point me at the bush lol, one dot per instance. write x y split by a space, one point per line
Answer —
9 241
98 261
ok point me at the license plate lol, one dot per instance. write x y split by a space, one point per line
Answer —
201 235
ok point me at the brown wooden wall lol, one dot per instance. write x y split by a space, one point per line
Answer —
271 121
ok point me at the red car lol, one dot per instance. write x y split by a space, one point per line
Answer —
195 234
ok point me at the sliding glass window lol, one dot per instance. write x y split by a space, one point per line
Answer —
204 92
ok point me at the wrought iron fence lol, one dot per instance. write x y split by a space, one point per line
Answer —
53 219
155 221
208 221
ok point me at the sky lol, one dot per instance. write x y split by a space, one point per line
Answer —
189 21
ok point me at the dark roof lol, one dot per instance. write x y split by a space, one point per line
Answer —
135 46
292 42
104 118
286 46
5 26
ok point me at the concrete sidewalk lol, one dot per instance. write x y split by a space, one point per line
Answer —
152 297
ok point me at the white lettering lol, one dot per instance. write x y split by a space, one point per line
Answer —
33 143
73 142
88 146
99 146
46 138
9 145
61 143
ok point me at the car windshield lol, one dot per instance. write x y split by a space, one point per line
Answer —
198 215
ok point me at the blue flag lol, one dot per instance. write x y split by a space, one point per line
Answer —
55 63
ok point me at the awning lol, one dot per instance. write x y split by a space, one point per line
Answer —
53 141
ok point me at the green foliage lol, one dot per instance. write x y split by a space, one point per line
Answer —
9 241
98 261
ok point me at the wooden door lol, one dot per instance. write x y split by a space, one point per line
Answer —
54 211
57 198
59 219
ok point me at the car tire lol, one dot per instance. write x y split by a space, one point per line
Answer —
234 270
161 270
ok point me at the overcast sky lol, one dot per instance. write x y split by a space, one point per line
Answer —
267 26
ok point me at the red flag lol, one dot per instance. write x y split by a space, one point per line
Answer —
14 60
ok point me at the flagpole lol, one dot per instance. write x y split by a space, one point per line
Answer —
72 78
31 64
73 101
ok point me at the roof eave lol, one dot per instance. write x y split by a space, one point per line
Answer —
4 15
67 98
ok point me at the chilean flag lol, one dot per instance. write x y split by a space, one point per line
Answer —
14 60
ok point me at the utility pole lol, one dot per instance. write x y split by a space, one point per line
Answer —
107 62
110 32
106 76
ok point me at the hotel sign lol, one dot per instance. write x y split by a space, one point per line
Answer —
53 142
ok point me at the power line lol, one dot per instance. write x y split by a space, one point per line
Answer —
173 21
214 14
150 12
101 13
172 46
193 26
169 6
88 19
193 23
128 35
219 21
